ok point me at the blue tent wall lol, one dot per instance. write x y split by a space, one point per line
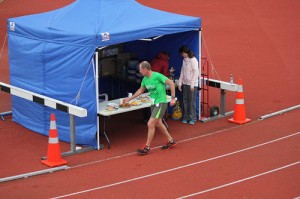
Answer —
50 54
57 71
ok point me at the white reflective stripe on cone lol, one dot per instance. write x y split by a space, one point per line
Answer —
240 89
239 101
53 140
52 125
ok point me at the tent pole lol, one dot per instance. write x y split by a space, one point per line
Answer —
97 99
199 80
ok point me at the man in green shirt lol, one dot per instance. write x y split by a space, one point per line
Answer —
155 83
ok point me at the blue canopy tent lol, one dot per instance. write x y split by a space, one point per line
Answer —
52 54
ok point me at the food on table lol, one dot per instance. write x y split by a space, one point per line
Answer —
112 106
144 99
125 105
135 103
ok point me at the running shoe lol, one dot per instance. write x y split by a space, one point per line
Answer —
184 121
192 122
143 150
169 145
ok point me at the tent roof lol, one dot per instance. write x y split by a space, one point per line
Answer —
85 21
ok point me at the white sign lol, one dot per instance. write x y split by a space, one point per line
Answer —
12 26
105 36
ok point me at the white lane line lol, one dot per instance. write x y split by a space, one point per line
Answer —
239 181
186 140
177 168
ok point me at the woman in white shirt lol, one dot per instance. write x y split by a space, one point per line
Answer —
188 84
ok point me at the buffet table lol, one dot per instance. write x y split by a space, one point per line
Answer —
102 111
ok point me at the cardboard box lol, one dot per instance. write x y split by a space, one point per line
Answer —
107 66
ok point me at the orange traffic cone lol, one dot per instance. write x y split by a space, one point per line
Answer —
239 115
53 156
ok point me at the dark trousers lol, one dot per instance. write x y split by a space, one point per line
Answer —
189 102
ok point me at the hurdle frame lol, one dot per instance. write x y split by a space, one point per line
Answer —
223 86
52 103
5 114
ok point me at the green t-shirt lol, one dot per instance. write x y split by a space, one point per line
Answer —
156 87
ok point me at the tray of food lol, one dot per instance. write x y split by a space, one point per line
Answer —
144 99
112 107
125 105
135 103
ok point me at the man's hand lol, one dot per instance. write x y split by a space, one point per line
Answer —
173 102
126 100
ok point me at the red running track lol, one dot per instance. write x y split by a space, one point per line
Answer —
257 41
238 162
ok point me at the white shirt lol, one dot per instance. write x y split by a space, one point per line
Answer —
189 72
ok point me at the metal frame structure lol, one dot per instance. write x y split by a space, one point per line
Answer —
53 103
223 86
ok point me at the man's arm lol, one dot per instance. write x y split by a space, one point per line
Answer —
172 89
136 94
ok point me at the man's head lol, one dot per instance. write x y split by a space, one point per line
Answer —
145 68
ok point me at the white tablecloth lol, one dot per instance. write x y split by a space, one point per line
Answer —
102 107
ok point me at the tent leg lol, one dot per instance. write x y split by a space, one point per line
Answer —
165 123
105 135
